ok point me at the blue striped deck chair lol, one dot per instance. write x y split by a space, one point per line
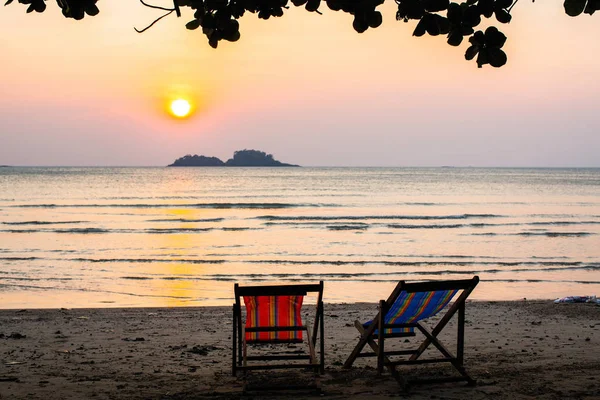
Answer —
401 315
273 315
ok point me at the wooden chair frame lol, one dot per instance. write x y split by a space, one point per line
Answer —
241 361
377 342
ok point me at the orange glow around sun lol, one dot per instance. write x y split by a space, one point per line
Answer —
180 108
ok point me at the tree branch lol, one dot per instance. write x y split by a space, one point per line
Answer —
158 7
155 21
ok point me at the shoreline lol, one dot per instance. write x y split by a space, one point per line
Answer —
359 304
514 349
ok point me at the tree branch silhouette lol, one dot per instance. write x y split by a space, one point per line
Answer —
455 21
170 11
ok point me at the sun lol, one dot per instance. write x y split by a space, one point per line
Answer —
180 108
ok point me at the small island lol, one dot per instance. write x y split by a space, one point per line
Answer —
241 158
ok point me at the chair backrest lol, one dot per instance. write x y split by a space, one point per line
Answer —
273 313
415 306
412 302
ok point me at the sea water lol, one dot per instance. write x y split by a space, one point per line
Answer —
102 237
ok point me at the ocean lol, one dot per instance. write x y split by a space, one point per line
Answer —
124 237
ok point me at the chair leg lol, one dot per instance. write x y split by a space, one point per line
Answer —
364 338
386 360
234 344
322 338
432 338
460 340
380 337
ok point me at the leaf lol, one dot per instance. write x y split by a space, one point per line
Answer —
486 7
233 37
375 19
193 24
592 6
503 16
360 24
494 38
91 10
455 38
482 58
574 7
40 7
421 28
313 5
454 13
471 52
436 5
478 38
443 24
262 14
497 57
334 5
471 16
503 3
465 30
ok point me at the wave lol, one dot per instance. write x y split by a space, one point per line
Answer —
397 226
352 276
10 286
412 263
374 217
43 222
146 260
175 205
556 234
543 233
466 263
138 278
176 230
148 230
305 223
564 223
348 227
82 230
186 220
12 278
73 230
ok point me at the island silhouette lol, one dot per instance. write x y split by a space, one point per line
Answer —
241 158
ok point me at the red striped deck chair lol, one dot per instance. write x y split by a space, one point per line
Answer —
273 314
400 316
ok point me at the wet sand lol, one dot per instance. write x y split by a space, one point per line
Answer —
515 350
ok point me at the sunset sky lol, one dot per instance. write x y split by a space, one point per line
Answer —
305 87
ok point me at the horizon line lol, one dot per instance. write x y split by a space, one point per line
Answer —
303 166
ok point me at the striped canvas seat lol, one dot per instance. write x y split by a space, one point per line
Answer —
413 307
273 311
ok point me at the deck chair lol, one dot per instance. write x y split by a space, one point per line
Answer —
273 316
400 315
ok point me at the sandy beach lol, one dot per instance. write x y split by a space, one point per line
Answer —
515 350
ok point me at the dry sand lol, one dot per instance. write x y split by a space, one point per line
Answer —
515 350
